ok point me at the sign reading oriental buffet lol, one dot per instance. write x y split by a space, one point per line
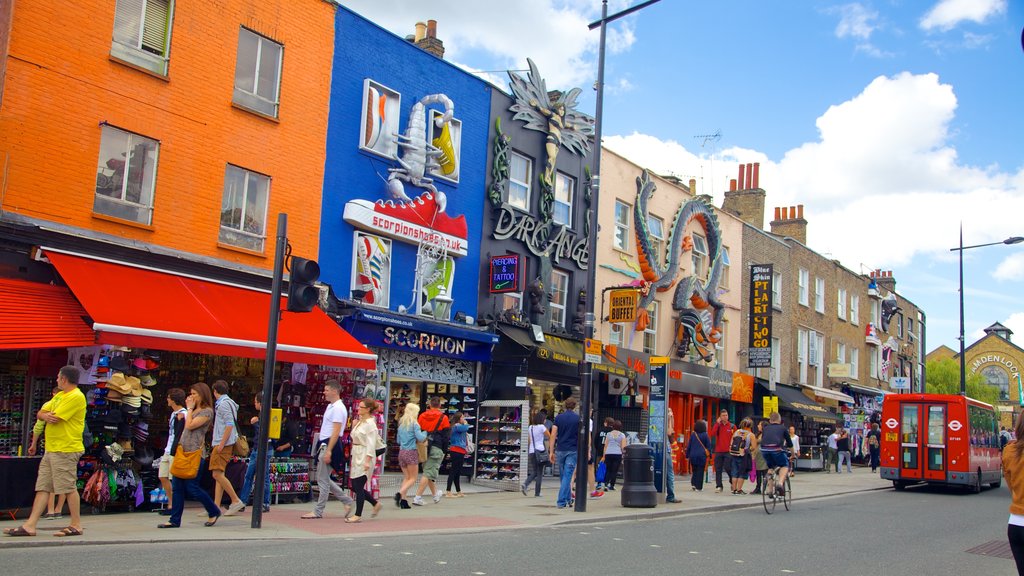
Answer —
540 239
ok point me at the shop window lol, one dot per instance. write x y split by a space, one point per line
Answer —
126 175
559 297
616 334
243 212
258 73
564 188
841 303
700 256
621 239
142 33
803 284
819 295
777 290
855 309
723 279
520 174
371 270
656 228
651 332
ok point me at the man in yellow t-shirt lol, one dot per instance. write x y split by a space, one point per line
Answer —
64 415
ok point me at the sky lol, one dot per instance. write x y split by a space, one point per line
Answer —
894 122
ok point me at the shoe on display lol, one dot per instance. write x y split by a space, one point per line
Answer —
468 399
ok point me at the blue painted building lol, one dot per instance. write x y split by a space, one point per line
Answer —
401 225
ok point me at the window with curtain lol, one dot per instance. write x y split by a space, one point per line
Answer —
142 33
243 214
126 175
258 73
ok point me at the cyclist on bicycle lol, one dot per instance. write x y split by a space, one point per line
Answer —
774 443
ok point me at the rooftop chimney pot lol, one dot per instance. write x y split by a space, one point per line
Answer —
421 31
757 177
431 28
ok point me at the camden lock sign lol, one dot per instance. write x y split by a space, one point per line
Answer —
540 239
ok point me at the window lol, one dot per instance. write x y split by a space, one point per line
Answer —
243 211
700 256
656 227
873 361
720 354
899 324
371 270
817 357
616 336
777 290
910 328
841 304
723 279
621 239
776 358
854 363
511 301
841 353
802 282
126 175
819 295
651 332
874 313
559 296
854 309
563 199
258 73
142 33
520 174
801 355
997 376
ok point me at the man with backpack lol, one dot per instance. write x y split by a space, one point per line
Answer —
721 435
438 429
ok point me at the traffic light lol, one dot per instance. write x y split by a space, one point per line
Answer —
302 294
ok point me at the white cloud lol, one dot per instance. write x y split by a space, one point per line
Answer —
1016 323
1011 268
882 185
947 14
553 34
856 21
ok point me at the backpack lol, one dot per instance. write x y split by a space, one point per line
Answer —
739 443
439 438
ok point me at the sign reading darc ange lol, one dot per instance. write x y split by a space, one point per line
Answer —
759 345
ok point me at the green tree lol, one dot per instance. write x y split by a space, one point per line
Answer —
943 377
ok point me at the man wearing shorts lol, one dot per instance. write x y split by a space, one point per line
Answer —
433 421
58 470
775 447
225 434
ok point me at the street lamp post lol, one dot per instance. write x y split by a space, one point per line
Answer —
586 391
960 249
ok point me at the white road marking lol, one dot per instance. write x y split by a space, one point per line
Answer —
694 552
377 545
585 533
441 562
617 539
784 571
655 546
406 553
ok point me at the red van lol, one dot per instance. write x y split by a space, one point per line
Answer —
940 439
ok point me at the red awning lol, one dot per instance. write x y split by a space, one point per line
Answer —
148 308
34 315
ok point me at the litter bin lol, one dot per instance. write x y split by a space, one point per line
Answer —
638 477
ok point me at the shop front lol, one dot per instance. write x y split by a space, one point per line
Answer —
858 416
137 331
813 421
418 359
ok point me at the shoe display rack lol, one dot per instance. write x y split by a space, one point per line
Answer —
401 394
289 477
457 399
12 410
501 449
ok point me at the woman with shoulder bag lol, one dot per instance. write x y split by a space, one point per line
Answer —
457 454
364 458
409 433
614 444
697 453
538 440
198 418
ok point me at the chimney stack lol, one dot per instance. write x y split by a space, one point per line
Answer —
757 177
790 222
884 279
744 199
426 38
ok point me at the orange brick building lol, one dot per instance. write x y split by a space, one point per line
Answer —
186 126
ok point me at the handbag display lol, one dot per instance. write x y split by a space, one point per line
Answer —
186 464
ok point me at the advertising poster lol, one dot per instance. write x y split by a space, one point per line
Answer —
658 409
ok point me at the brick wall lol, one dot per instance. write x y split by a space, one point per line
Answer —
61 83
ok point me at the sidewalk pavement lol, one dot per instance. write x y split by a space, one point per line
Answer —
480 508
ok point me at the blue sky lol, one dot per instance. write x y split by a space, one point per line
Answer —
891 121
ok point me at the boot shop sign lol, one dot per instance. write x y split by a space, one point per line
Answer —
416 340
541 239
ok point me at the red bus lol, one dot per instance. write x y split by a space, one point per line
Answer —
940 439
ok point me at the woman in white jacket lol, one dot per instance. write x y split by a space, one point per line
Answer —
364 457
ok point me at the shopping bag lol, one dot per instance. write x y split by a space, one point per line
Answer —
600 473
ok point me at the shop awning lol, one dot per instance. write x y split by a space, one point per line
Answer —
826 393
866 390
796 401
147 308
34 315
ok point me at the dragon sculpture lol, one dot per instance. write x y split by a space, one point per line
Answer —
695 299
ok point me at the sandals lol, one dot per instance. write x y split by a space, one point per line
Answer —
19 531
68 531
311 517
353 520
376 509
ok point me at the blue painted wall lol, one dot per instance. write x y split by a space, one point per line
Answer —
364 50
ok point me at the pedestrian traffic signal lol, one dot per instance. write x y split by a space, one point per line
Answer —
302 294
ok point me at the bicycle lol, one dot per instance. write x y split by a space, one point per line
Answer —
768 496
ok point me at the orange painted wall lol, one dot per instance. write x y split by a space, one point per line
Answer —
61 84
